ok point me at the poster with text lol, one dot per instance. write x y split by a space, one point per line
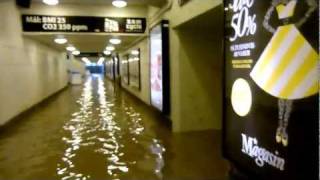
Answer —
271 88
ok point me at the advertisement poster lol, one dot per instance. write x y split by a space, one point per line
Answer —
125 69
156 68
116 66
159 67
134 68
110 69
271 88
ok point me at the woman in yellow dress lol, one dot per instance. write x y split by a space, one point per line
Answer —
287 68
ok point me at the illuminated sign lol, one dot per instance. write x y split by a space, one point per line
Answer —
159 67
271 88
43 23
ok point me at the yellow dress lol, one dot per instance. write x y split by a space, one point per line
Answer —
287 68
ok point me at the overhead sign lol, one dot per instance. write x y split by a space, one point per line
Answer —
271 88
85 24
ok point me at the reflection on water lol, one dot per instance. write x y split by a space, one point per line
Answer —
109 133
97 131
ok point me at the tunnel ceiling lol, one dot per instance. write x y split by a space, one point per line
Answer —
87 43
108 2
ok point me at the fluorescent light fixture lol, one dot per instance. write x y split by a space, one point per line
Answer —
135 52
51 2
115 41
60 40
106 52
136 59
76 52
110 48
86 60
70 48
101 60
119 3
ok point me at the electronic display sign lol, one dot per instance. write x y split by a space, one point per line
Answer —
83 24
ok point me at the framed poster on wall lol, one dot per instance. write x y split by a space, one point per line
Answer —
271 99
115 59
125 69
159 67
110 69
134 68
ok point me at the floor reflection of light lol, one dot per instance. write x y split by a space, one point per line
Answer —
76 126
110 145
98 130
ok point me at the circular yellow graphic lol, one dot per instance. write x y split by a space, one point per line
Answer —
241 97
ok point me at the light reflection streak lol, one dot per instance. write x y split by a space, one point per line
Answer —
97 129
111 145
77 126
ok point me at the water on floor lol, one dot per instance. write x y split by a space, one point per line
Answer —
97 131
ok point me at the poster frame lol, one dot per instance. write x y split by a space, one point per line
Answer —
164 24
139 69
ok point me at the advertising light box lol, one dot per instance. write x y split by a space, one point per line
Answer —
125 69
134 68
116 62
159 67
271 99
110 69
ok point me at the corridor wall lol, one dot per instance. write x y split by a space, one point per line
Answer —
144 92
29 70
195 63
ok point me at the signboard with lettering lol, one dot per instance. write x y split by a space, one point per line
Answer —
271 99
42 23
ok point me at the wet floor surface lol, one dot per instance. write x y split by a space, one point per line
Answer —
97 131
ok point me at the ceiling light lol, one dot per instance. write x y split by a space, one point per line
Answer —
101 60
70 48
135 52
136 59
115 41
51 2
110 48
60 40
107 52
86 60
119 3
76 52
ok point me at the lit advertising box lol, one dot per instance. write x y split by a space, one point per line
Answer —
134 69
271 100
125 69
110 69
159 67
